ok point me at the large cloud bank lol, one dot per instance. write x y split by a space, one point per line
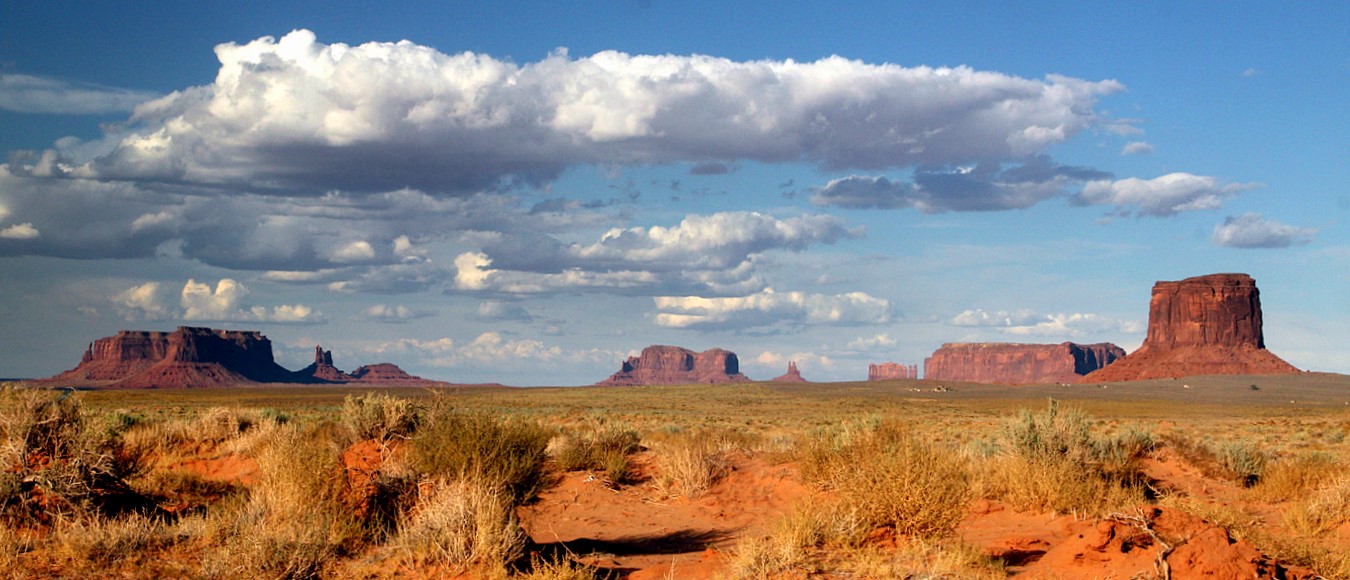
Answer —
295 115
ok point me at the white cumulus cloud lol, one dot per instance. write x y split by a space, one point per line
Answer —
1030 323
1251 230
1136 148
703 253
141 302
769 308
1161 196
393 313
297 115
226 304
23 231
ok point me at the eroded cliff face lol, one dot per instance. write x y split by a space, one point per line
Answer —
1206 325
672 365
1016 363
890 370
187 357
322 369
194 357
384 373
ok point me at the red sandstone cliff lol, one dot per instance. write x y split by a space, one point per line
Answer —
1013 363
385 373
1206 325
672 365
791 376
192 357
890 370
186 357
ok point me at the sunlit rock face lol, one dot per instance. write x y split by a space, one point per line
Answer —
1206 325
672 365
1017 363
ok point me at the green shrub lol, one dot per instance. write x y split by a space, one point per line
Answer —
467 445
1054 461
1241 462
606 450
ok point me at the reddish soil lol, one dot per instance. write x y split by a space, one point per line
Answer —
231 468
633 530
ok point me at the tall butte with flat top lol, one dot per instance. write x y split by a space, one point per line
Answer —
1206 325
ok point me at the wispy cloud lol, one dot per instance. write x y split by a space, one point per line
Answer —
32 94
1251 230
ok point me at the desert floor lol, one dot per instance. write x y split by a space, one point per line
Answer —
1198 477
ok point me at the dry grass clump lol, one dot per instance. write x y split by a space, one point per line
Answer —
294 520
1323 510
470 445
791 543
606 449
894 479
1233 460
379 416
1052 461
56 463
690 462
225 429
460 524
99 541
1294 477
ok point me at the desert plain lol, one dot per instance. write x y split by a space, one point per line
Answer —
1211 476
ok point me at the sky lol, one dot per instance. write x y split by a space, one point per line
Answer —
530 192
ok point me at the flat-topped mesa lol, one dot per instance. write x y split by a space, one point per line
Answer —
890 370
791 376
113 358
384 373
205 357
672 365
192 357
1016 363
1206 325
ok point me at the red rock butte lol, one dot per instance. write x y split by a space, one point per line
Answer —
195 357
1206 325
672 365
1015 363
890 370
791 376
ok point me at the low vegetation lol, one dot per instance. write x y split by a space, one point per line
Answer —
189 485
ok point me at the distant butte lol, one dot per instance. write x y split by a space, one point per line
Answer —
791 376
1015 363
195 357
1206 325
890 370
672 365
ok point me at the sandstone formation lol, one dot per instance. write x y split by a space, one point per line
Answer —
322 370
1206 325
384 373
187 357
791 376
1013 363
193 357
672 365
890 370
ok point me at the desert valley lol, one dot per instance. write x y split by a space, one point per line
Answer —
696 290
192 454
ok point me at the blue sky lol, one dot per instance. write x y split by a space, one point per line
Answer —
529 193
